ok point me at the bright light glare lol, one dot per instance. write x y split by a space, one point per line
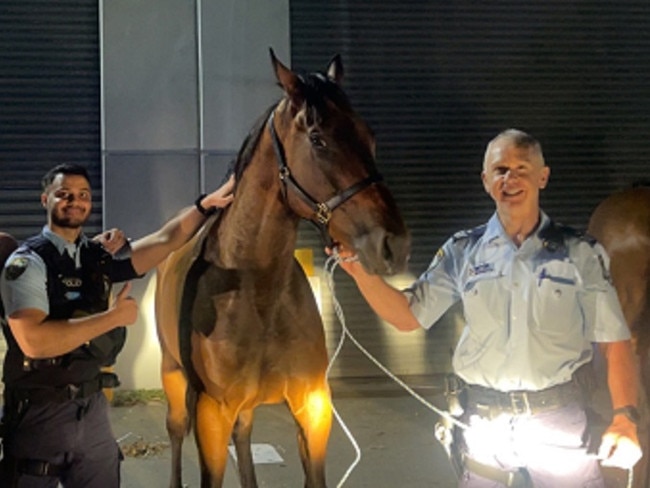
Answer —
318 407
522 440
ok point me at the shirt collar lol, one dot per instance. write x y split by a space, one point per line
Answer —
494 232
62 245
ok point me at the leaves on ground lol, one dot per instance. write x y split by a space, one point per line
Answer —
141 448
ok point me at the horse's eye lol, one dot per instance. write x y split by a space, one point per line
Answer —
316 140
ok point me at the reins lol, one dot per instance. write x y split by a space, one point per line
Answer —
322 210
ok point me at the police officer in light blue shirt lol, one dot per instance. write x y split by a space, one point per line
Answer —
536 297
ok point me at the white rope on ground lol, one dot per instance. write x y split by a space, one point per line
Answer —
330 266
339 419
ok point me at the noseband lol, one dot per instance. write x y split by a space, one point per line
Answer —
322 210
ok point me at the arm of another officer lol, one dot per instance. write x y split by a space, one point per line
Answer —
152 249
387 302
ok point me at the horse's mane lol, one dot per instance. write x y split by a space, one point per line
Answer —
317 89
245 154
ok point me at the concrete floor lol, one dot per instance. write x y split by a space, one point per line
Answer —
393 430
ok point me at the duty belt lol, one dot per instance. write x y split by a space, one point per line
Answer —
489 403
64 393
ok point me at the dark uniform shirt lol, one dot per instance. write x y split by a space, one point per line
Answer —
64 281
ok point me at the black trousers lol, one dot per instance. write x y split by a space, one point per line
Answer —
73 439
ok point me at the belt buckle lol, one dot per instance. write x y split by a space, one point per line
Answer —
519 402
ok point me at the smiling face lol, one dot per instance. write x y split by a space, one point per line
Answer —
513 174
68 202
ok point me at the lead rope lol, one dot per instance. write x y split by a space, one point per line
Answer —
330 266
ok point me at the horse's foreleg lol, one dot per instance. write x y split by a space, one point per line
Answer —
214 423
175 386
312 411
241 437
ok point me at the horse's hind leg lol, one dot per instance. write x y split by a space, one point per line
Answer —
175 386
241 436
312 410
213 426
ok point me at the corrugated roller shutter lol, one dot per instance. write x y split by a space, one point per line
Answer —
49 103
436 80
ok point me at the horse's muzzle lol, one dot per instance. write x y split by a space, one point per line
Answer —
382 252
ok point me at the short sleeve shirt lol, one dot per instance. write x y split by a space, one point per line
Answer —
23 283
531 313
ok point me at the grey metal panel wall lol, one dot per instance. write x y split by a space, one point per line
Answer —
49 103
183 83
436 80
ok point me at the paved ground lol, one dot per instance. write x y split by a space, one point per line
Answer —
393 430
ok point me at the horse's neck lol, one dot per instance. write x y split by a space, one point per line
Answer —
257 230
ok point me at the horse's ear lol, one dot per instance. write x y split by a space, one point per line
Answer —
289 81
335 69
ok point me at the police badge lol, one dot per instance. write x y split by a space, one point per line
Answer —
16 267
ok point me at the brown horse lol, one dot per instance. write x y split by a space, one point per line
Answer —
237 321
621 223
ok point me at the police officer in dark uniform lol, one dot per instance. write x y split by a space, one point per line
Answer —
62 329
536 298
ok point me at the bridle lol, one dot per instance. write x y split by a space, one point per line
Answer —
322 210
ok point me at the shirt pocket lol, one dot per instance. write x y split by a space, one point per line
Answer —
555 297
483 302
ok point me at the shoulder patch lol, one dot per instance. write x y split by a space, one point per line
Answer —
556 236
16 267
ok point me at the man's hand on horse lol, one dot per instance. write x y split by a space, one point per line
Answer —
222 196
620 445
112 240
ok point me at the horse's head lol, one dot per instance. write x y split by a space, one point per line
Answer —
327 165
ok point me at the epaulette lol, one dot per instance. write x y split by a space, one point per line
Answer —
473 234
556 235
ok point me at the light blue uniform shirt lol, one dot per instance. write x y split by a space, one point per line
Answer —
29 290
531 312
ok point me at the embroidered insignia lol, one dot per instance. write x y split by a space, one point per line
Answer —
15 268
481 268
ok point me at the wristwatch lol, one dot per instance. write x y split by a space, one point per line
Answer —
630 411
205 211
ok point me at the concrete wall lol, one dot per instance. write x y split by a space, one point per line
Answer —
182 82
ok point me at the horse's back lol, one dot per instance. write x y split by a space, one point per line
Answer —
623 219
